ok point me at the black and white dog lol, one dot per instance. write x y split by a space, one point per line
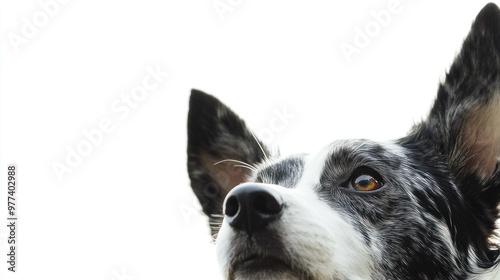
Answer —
420 207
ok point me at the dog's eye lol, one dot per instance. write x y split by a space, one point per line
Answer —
365 182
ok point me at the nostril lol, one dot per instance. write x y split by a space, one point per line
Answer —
267 204
252 206
232 206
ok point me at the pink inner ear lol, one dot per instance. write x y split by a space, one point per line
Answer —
225 174
480 145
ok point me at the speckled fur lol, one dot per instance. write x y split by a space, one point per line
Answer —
433 218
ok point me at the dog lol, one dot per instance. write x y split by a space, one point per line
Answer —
420 207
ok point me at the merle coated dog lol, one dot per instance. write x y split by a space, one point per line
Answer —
420 207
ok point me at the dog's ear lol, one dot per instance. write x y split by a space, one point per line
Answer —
221 152
465 119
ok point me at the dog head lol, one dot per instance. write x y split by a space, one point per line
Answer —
420 207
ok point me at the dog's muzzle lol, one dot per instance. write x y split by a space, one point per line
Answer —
250 207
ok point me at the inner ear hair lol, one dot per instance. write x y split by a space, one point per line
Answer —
226 173
479 143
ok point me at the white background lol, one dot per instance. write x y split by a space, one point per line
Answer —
126 210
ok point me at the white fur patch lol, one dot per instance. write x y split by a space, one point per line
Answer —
318 239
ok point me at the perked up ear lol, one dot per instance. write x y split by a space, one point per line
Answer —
221 153
465 118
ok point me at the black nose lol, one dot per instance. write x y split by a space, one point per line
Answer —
251 207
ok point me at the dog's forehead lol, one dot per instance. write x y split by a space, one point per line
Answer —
285 172
336 160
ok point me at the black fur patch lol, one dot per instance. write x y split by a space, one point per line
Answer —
216 133
435 215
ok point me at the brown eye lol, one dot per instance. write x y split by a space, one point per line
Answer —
365 182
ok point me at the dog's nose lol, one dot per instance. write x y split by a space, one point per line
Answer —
252 206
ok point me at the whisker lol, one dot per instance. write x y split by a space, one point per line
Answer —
215 222
241 164
217 216
261 149
244 166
